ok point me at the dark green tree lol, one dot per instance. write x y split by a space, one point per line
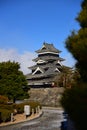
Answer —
74 100
12 81
76 43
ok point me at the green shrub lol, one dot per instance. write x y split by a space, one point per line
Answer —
5 115
3 99
7 107
20 107
33 105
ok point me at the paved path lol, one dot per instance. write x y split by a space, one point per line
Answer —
50 120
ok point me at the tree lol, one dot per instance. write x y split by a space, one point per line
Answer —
74 100
12 81
65 77
76 43
3 99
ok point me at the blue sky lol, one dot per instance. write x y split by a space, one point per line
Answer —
26 24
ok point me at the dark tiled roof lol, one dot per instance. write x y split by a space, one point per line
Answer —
48 48
50 72
47 58
36 76
44 66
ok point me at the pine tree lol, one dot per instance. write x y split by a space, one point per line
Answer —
76 43
74 100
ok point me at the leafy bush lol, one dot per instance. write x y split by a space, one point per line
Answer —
6 110
7 107
20 107
5 115
3 99
33 105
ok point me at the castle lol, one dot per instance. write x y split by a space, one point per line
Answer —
48 65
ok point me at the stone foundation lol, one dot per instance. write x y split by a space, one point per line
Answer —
46 96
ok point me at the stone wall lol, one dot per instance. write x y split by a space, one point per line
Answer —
46 96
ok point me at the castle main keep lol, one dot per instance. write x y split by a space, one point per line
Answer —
48 65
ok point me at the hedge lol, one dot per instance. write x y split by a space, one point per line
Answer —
5 115
20 107
6 110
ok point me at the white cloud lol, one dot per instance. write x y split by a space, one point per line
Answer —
25 59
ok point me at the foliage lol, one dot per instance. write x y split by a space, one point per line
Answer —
34 105
5 115
76 43
3 99
6 110
65 78
83 15
12 81
74 100
20 107
7 107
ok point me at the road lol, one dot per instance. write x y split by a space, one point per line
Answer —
50 120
